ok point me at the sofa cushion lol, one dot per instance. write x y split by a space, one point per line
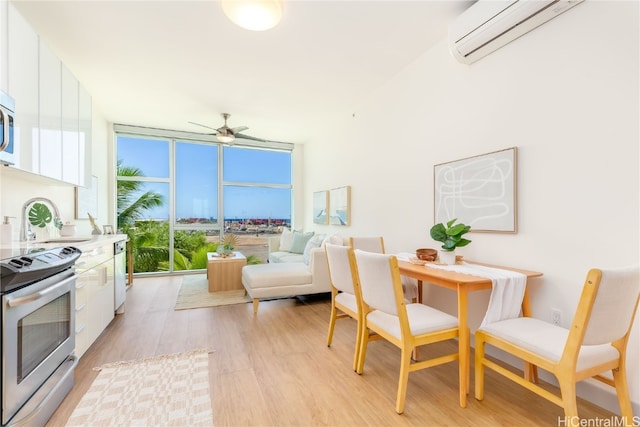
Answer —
314 242
334 239
286 239
276 275
300 241
279 256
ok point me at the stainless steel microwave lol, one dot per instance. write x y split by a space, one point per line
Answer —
7 113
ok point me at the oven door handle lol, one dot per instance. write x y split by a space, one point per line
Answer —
15 302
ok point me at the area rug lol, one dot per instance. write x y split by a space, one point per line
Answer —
170 390
194 293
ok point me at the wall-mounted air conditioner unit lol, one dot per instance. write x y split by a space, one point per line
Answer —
490 24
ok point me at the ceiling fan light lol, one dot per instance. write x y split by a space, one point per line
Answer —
254 15
225 138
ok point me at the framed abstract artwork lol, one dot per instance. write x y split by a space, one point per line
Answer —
479 191
321 207
340 206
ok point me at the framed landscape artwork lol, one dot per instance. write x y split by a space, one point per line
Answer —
479 191
340 206
320 207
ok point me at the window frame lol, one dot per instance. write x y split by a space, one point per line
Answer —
172 137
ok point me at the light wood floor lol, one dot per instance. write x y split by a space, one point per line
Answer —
276 370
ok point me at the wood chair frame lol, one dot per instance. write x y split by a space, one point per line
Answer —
407 343
565 369
340 311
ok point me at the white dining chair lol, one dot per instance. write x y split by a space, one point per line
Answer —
595 343
375 244
405 325
346 300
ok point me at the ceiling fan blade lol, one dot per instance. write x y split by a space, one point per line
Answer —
239 129
204 126
252 138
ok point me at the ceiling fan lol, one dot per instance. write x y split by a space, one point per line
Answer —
227 135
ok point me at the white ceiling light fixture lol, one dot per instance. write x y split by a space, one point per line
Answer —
225 138
254 15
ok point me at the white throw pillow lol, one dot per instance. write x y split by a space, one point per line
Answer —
334 239
314 242
286 240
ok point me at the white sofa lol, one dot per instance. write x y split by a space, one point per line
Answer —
277 255
288 274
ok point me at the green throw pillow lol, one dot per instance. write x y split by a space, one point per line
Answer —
300 241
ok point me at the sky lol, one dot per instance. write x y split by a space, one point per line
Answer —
196 178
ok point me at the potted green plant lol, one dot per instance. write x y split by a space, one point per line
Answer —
225 248
451 237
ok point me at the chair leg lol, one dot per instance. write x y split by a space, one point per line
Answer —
364 340
622 390
568 394
332 324
479 371
403 381
256 301
356 353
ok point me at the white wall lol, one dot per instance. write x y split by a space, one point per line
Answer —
566 95
16 187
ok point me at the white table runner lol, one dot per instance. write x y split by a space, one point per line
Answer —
507 289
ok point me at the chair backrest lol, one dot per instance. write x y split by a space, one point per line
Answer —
379 282
615 302
341 262
369 244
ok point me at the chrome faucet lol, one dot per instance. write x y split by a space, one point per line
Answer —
25 229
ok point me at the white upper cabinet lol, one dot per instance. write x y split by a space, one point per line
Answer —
53 114
4 42
85 112
50 77
70 128
23 87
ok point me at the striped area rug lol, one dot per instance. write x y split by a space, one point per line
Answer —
194 293
170 390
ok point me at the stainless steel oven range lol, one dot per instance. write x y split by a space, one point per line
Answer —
38 334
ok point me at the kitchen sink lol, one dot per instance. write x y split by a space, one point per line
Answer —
68 240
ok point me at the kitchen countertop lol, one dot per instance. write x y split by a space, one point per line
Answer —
88 243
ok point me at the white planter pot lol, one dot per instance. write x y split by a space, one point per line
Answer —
448 257
68 230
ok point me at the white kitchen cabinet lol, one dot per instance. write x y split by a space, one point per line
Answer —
53 114
50 91
70 128
23 84
4 43
84 125
94 295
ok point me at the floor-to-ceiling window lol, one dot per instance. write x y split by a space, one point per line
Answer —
256 195
179 194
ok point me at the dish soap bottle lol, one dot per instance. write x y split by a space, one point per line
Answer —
6 236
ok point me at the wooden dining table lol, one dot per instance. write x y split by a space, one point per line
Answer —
463 284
